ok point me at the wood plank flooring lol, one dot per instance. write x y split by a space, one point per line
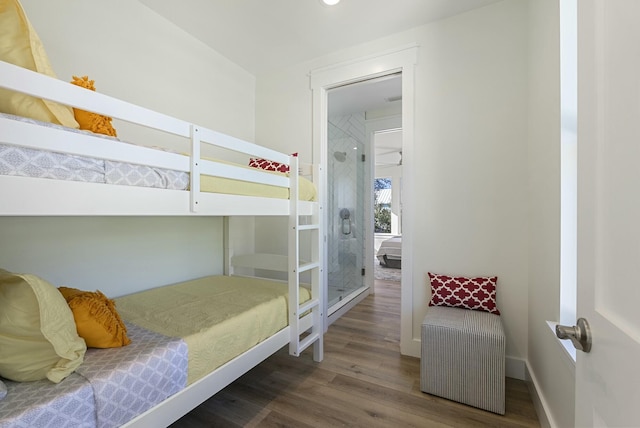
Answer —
363 381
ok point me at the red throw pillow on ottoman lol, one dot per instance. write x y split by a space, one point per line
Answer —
478 294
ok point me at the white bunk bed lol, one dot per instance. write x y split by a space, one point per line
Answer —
27 196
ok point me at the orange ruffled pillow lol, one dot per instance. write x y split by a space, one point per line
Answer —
92 121
96 318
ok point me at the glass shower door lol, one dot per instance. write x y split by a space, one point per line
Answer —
346 224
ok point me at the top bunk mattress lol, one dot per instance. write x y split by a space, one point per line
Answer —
219 317
37 163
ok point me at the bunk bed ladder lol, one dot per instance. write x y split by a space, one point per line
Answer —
310 231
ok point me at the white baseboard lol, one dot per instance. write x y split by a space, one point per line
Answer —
539 402
412 349
515 367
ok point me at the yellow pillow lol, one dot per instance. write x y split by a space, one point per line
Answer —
38 337
20 45
97 320
92 121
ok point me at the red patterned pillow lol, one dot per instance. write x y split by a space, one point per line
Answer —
478 294
269 165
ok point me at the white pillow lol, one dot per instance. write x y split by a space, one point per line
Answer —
38 337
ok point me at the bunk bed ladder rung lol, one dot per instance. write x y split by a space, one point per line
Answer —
307 341
308 266
308 227
309 304
302 333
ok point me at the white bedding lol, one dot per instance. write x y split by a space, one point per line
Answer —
390 252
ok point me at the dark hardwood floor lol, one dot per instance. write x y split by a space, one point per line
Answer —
363 381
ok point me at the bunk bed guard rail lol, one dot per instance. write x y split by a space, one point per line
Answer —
42 86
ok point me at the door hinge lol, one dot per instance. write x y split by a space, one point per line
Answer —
363 157
362 272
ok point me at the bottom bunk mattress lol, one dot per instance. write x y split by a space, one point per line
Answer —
110 388
219 317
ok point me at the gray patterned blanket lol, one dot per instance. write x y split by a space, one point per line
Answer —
110 388
28 162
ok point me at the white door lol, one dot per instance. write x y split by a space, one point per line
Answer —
608 378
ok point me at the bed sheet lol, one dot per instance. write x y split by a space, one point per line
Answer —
43 403
130 380
26 162
219 317
111 387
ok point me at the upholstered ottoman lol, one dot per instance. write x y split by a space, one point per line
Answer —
463 357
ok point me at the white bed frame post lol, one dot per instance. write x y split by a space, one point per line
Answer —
296 268
194 180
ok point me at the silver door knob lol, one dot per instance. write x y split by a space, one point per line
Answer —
580 335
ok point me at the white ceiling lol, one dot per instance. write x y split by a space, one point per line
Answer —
370 96
375 94
263 35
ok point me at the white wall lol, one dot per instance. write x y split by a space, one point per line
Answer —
473 98
550 368
471 142
114 255
136 55
133 54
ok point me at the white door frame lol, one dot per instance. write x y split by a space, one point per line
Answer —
322 79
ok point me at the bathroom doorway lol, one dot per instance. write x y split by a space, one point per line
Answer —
350 173
322 80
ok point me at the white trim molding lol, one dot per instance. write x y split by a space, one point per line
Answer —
402 60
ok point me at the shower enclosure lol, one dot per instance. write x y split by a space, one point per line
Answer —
346 220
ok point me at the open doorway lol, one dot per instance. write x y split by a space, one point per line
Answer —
387 204
397 61
359 141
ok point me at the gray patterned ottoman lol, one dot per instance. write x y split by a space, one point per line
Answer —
463 357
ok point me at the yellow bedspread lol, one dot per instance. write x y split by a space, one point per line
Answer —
307 191
219 317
